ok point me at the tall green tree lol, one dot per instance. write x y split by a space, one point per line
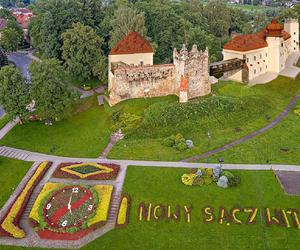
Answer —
14 93
10 39
53 95
126 18
55 17
81 52
218 16
165 27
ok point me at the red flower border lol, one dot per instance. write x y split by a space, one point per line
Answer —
25 202
105 176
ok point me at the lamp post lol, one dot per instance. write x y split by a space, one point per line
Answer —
221 161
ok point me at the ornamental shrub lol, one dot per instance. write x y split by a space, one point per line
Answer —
125 121
235 181
199 181
181 146
217 172
179 138
169 141
228 174
223 182
207 180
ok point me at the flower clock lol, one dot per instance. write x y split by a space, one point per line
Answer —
69 212
69 207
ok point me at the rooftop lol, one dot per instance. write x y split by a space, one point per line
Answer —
132 43
249 42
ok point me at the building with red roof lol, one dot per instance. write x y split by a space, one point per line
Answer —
23 17
265 51
131 73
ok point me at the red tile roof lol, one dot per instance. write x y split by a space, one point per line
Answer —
131 44
256 41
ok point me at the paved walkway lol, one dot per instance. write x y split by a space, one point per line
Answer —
9 126
113 140
289 181
282 115
32 156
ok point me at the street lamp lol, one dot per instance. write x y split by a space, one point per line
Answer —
221 161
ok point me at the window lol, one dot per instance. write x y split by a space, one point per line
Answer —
281 44
260 69
141 62
294 41
294 33
260 56
254 58
247 60
266 66
255 71
266 54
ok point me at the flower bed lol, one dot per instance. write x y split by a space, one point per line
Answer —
89 171
69 212
124 209
10 223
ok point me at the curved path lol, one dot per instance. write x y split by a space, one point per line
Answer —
278 119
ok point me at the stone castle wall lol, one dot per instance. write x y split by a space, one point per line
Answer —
194 66
143 81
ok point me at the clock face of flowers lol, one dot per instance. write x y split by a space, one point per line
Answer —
69 207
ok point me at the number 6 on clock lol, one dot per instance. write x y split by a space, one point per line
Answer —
75 190
64 223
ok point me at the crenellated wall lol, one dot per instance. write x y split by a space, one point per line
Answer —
141 81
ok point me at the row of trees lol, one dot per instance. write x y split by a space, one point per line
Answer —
48 96
81 33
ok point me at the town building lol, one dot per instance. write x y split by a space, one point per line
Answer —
132 74
23 17
265 51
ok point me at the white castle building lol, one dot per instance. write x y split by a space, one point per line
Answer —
265 51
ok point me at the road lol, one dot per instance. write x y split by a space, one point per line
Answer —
22 61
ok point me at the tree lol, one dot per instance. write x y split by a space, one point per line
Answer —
55 17
218 17
53 95
82 52
10 39
125 19
203 40
165 27
14 93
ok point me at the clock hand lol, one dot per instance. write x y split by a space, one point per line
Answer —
69 204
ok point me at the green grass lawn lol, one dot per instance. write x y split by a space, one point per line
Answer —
162 185
258 189
85 134
278 145
270 100
4 120
94 82
12 172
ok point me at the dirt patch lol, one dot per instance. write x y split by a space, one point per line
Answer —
290 181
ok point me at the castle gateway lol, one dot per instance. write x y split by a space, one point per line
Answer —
131 73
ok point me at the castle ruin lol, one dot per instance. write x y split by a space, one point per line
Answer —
133 75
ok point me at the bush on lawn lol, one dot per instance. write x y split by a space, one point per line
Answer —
177 141
125 121
207 176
